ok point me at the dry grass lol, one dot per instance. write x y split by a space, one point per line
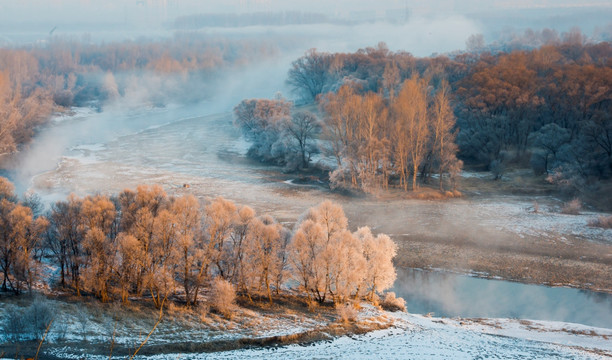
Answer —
572 207
602 222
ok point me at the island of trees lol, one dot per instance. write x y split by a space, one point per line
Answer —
145 243
389 118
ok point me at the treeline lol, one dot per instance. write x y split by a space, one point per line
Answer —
199 21
146 243
548 107
64 72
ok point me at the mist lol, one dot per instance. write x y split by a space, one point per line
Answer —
421 28
181 99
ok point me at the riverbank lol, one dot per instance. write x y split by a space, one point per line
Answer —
290 329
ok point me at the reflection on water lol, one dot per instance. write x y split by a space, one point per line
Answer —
451 295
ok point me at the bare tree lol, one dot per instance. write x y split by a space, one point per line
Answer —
310 73
443 123
303 128
412 131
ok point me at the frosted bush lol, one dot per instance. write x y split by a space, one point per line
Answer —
392 303
346 313
222 297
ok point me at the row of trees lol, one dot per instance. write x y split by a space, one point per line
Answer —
146 243
376 139
20 237
549 106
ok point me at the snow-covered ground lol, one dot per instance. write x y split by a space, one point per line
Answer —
417 337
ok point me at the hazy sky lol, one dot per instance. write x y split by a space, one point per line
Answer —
432 26
32 11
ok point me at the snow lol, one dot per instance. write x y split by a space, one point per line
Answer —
409 336
518 218
416 336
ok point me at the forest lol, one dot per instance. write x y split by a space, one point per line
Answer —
37 80
542 101
145 243
389 116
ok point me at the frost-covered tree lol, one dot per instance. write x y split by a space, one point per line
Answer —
347 271
19 236
328 260
309 75
263 122
100 264
301 132
411 135
262 254
220 216
379 252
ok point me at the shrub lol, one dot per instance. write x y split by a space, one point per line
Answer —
602 222
497 168
39 316
346 313
572 208
14 326
392 303
223 297
30 323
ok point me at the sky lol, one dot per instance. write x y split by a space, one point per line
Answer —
433 26
33 11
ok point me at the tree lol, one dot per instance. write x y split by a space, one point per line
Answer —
411 128
549 139
329 260
19 236
308 242
220 216
65 239
127 267
240 230
443 123
347 270
309 74
379 252
185 220
391 80
263 122
262 253
99 267
303 128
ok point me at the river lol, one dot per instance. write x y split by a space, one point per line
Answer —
107 152
450 295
